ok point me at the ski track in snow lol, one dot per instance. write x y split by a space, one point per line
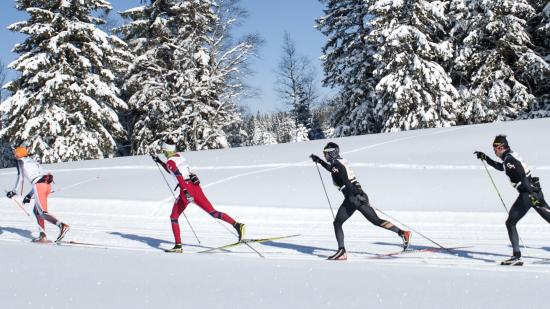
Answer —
482 235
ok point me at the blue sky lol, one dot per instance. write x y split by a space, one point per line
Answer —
269 18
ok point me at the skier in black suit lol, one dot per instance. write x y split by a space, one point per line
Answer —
355 199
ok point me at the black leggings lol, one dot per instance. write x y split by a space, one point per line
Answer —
519 209
361 203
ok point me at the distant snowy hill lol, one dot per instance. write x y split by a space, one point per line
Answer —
415 170
427 179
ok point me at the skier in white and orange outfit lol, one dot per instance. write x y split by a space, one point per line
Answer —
41 188
190 192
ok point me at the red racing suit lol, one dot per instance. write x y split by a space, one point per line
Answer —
177 166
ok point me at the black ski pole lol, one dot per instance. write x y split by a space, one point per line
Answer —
412 229
499 195
169 188
325 189
495 186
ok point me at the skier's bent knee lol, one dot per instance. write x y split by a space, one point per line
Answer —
216 214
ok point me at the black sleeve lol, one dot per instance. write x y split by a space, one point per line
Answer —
325 165
339 171
497 165
514 170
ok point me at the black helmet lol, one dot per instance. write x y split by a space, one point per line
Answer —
331 151
500 140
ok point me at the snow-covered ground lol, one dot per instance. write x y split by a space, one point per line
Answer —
427 179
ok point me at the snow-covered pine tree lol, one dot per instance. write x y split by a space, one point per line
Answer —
413 91
286 129
317 131
260 132
348 65
170 86
538 76
295 83
64 103
238 133
322 114
495 59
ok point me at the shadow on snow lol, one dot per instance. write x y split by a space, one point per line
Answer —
152 242
20 232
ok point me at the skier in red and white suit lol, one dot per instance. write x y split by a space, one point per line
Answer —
190 192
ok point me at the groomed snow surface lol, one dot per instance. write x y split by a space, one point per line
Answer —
426 179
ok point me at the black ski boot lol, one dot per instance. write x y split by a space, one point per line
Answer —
513 261
340 255
240 227
177 249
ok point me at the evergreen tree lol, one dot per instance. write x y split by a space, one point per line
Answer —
539 77
295 83
413 91
261 135
238 133
64 104
495 62
348 65
171 85
322 115
287 129
316 131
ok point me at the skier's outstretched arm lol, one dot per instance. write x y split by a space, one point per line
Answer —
159 161
496 165
316 159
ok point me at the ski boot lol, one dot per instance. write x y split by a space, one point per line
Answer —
513 261
63 229
177 249
406 237
240 227
340 255
41 238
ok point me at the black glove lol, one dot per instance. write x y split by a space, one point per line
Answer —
11 194
27 199
195 179
188 196
534 200
480 155
156 159
315 158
